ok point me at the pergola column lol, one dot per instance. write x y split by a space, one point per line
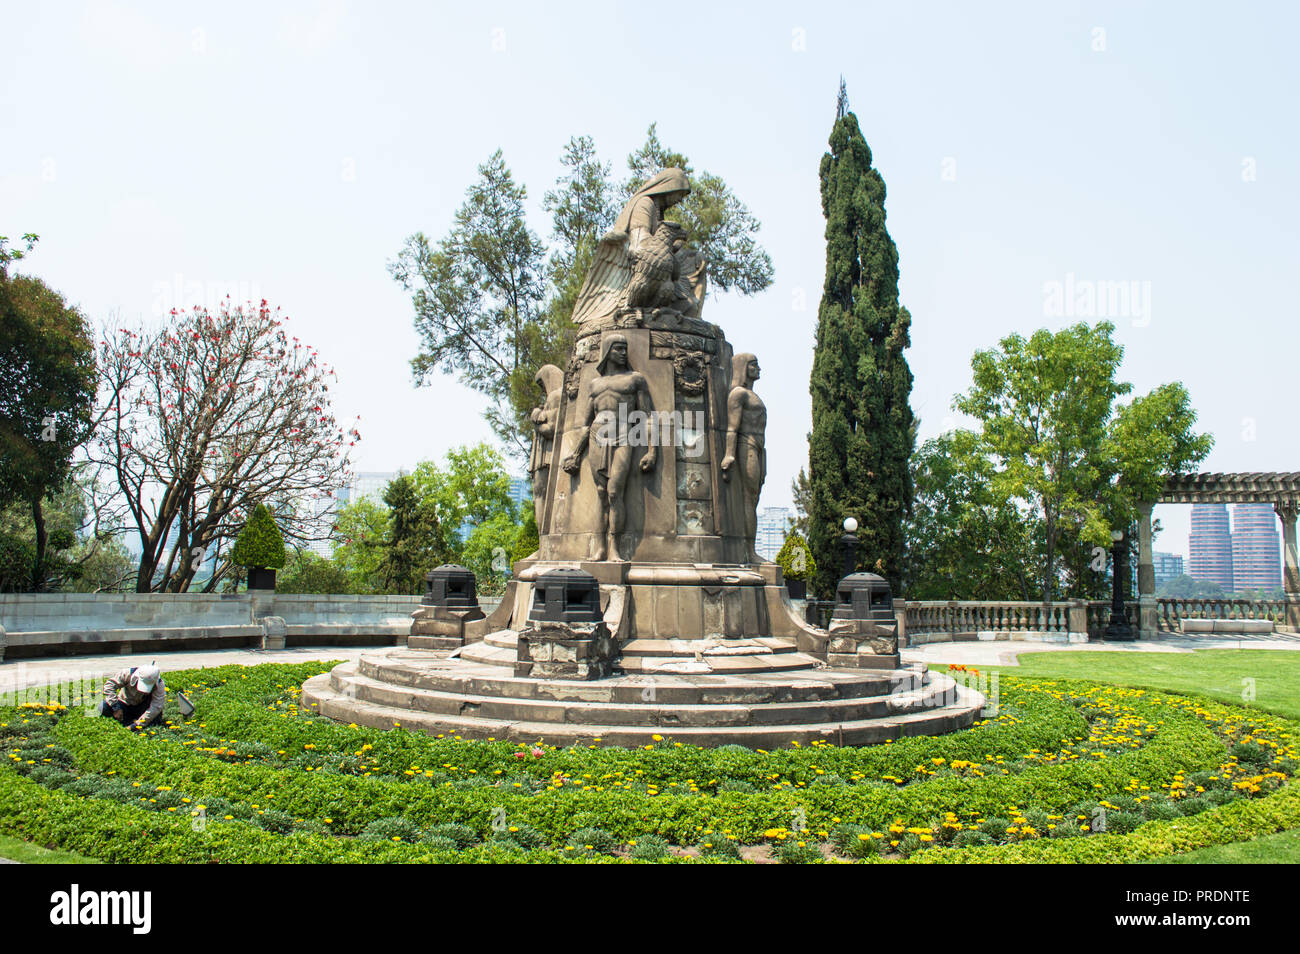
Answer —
1286 511
1148 623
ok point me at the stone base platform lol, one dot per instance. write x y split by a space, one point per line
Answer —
481 698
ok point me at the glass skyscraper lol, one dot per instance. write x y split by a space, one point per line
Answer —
1210 545
1256 563
773 524
1167 566
521 492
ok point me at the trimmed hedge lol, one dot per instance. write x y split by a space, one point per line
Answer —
260 543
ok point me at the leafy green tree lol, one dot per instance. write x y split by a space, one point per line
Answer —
17 552
456 511
361 528
260 543
470 493
8 255
307 572
411 531
863 430
470 488
47 396
528 541
82 554
1186 587
487 552
1063 450
477 292
493 302
1148 439
962 542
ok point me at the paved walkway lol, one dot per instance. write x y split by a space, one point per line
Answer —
21 673
1006 652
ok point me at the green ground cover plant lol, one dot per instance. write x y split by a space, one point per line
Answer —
1068 770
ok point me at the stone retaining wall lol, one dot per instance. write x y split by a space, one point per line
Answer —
54 624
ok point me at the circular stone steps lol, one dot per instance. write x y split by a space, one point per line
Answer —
450 696
766 654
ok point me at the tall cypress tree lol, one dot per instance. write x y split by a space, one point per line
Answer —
863 430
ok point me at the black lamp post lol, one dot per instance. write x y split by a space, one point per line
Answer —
1118 628
850 544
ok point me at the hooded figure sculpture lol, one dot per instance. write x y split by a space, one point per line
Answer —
746 426
640 265
643 212
620 416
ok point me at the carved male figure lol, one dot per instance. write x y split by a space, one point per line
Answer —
746 424
544 417
612 396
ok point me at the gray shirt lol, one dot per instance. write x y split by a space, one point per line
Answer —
118 686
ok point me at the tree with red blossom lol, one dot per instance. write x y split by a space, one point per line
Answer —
205 418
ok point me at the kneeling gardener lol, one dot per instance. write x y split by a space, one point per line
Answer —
134 697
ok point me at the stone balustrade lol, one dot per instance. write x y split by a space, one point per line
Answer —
52 624
925 621
1098 612
1206 615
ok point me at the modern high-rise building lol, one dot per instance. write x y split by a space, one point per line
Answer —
1210 545
1256 560
370 484
320 513
773 525
521 492
1167 566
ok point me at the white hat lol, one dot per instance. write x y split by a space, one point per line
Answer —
145 677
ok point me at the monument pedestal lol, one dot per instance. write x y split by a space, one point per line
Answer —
439 627
862 644
551 650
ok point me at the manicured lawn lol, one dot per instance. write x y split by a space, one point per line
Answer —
1228 675
1280 849
29 854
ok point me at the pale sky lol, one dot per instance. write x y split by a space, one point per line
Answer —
166 150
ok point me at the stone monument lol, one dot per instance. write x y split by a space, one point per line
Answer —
646 606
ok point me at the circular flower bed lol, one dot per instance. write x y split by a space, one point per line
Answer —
1067 771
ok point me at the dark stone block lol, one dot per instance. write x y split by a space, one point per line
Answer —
864 596
261 578
450 586
566 596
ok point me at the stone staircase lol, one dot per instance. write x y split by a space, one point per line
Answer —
760 693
